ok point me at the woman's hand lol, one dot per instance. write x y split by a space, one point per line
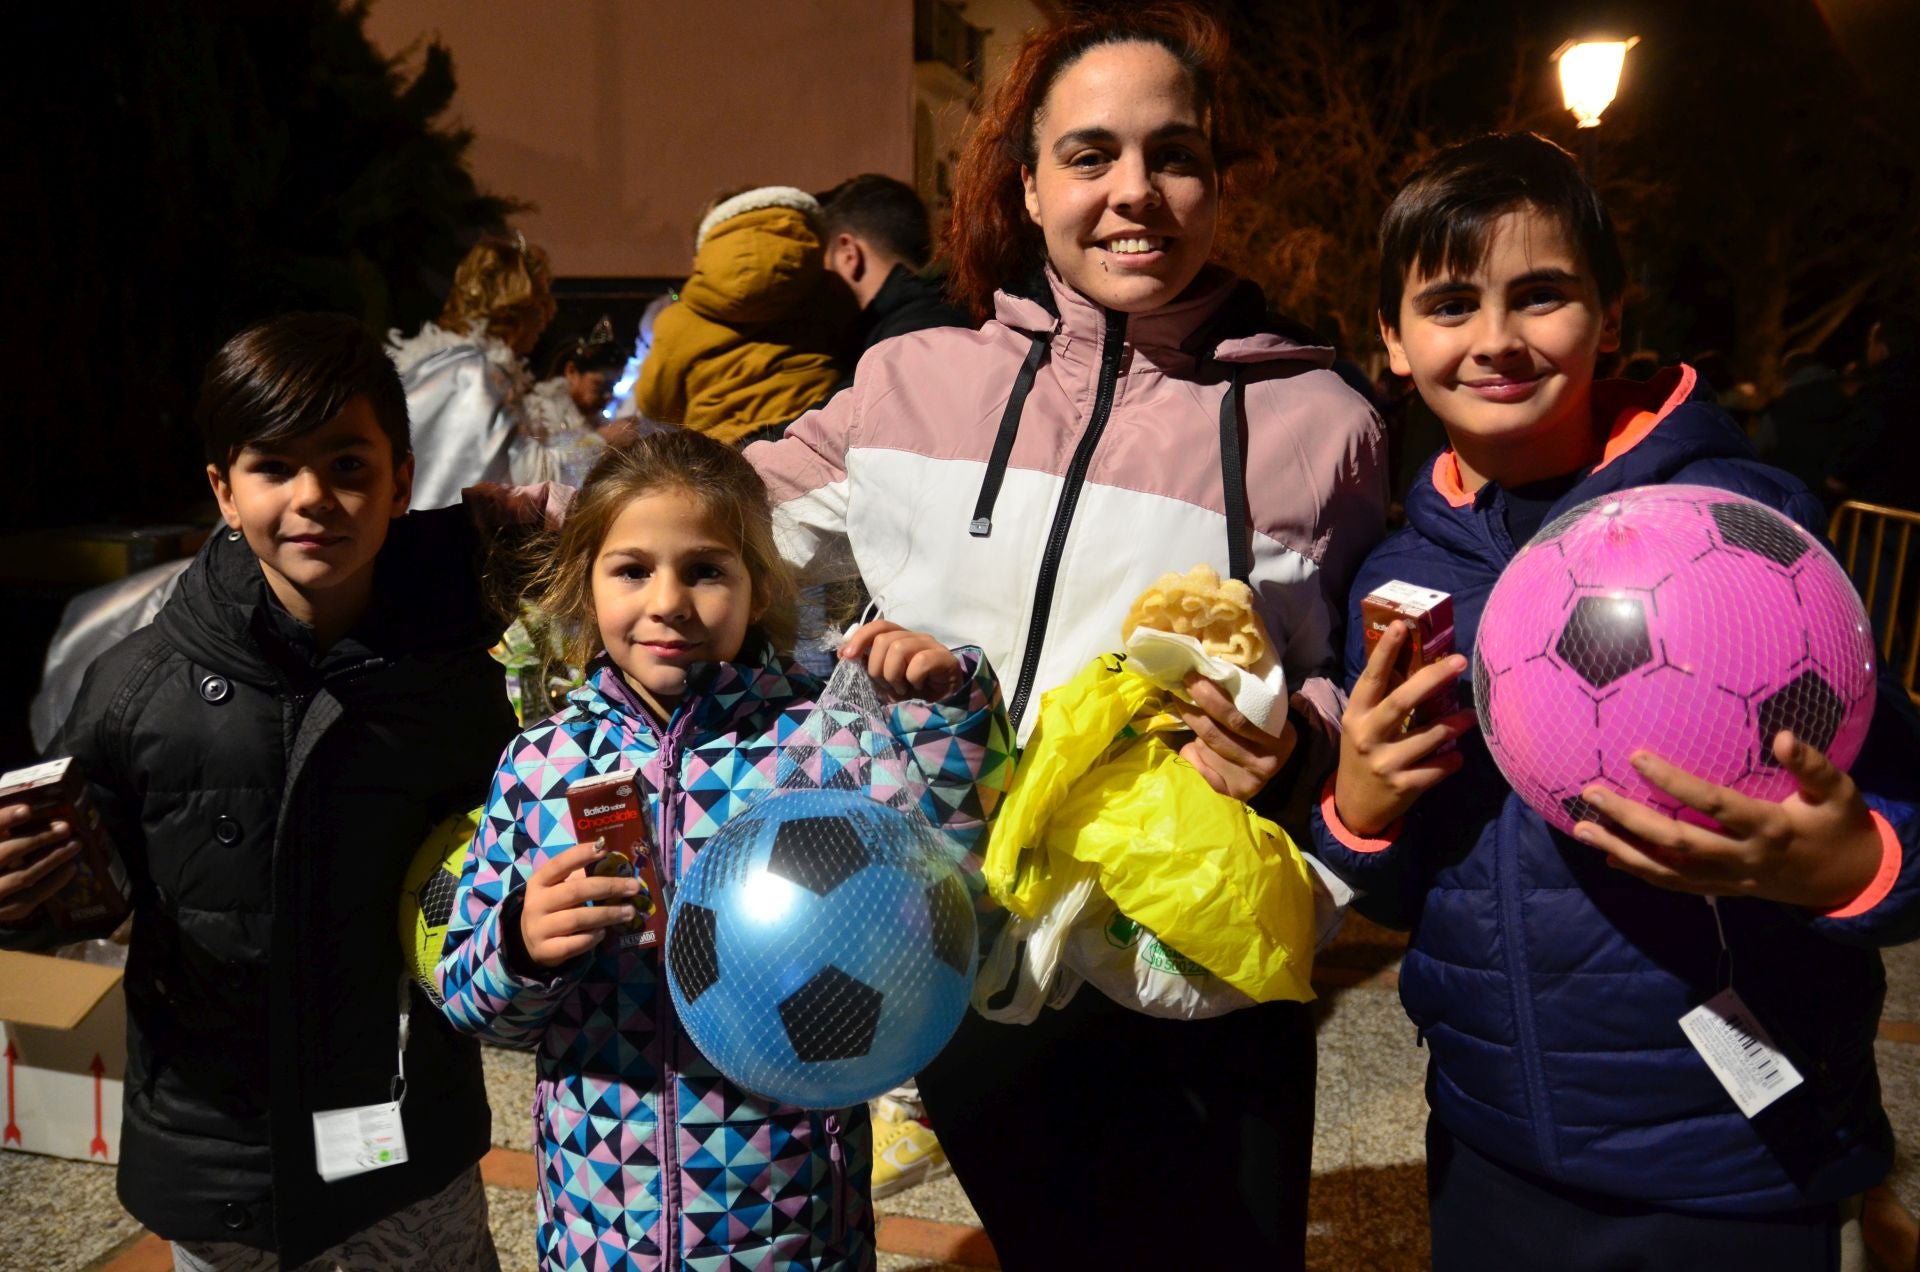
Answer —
34 863
559 920
1237 757
910 664
1383 770
1818 848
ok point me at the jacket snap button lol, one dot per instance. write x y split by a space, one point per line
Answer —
234 1215
226 830
215 688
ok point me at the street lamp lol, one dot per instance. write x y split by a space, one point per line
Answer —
1589 77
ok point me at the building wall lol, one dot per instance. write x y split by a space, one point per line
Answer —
945 101
621 118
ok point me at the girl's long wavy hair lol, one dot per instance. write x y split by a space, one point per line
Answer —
561 586
505 283
990 238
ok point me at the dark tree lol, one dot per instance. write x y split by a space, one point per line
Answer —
1342 102
1790 178
1762 178
178 170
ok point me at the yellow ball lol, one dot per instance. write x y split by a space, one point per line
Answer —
426 898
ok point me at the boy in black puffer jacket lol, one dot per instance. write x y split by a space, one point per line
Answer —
267 756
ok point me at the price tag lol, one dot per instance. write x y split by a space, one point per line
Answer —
354 1141
1740 1052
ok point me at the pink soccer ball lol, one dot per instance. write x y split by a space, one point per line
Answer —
1682 620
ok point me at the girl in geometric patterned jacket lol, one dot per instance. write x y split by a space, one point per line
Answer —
649 1157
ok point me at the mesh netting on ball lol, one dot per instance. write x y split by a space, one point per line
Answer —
1682 620
821 948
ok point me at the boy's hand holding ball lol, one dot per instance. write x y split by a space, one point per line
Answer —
1818 848
568 908
910 664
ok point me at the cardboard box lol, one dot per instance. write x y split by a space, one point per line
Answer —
65 1027
86 556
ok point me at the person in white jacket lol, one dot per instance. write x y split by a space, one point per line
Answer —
1127 410
466 377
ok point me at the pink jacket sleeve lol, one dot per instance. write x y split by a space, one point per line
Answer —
806 476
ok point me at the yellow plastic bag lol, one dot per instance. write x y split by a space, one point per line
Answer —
1101 787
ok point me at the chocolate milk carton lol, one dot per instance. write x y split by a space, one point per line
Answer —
1429 618
96 897
611 808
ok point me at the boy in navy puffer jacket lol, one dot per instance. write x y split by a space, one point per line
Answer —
1573 1125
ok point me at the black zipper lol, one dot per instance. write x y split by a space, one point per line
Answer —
1112 353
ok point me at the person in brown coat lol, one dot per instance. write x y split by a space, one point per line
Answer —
757 335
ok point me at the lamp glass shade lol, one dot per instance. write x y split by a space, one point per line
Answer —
1589 76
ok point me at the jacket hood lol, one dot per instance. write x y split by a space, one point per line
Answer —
212 613
720 696
752 201
1655 430
425 600
756 266
1221 317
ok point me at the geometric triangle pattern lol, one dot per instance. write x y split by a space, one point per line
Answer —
648 1156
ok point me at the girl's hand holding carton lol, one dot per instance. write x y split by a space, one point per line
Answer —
568 907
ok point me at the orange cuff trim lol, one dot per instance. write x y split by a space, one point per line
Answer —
1349 839
1890 858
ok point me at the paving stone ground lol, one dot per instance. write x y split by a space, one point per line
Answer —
1367 1211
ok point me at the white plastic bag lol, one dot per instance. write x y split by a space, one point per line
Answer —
1024 973
1130 965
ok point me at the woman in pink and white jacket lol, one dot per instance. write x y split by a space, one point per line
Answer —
1127 410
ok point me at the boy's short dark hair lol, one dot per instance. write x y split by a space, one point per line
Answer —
1442 217
290 375
886 212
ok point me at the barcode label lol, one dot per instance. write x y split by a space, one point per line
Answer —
1740 1053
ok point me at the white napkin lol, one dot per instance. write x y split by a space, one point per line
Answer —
1166 659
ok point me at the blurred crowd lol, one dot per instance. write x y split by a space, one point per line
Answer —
1844 426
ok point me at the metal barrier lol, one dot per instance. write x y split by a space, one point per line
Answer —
1880 576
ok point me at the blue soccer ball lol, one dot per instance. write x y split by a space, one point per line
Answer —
821 949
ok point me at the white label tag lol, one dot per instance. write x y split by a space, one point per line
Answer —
354 1141
1740 1053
